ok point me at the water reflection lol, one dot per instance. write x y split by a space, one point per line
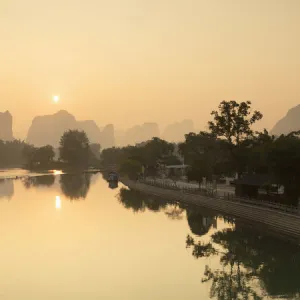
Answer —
250 262
6 188
75 187
201 220
138 202
57 202
36 181
175 211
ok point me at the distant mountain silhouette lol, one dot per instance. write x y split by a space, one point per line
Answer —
6 132
291 122
138 134
175 132
49 129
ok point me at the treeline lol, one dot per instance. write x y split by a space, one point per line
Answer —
74 150
146 157
11 153
230 147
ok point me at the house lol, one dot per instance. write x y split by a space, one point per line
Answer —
250 184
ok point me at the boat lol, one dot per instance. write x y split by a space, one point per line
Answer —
113 184
113 177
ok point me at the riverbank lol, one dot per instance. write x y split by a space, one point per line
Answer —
276 221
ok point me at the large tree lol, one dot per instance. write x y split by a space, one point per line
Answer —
233 121
74 148
205 154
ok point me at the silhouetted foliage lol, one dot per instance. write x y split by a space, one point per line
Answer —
36 181
75 187
131 168
150 154
247 255
39 157
12 153
233 121
131 200
174 211
138 202
200 220
205 154
74 148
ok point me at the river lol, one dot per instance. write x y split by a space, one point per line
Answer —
72 237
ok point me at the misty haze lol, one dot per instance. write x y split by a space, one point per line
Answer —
149 149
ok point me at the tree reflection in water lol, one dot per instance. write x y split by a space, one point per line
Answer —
139 202
36 181
249 257
200 220
253 265
75 187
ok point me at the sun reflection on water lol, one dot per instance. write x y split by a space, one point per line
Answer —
57 202
57 172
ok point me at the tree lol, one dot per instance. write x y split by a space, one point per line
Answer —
131 168
43 156
11 153
74 148
112 156
233 122
205 154
284 161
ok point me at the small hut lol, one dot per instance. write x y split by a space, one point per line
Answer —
249 185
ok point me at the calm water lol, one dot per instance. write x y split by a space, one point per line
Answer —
73 237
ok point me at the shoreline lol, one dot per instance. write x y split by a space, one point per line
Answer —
275 221
36 173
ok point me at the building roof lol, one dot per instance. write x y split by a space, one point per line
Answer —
258 180
177 166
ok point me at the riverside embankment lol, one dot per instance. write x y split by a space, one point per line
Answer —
275 221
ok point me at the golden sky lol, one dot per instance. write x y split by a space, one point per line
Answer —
130 61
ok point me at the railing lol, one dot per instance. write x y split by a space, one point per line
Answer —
265 203
213 193
185 189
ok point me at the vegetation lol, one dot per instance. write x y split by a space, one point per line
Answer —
245 256
230 147
11 153
39 157
130 160
74 148
131 168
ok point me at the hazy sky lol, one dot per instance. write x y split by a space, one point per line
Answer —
130 61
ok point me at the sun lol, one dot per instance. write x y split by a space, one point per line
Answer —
56 99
